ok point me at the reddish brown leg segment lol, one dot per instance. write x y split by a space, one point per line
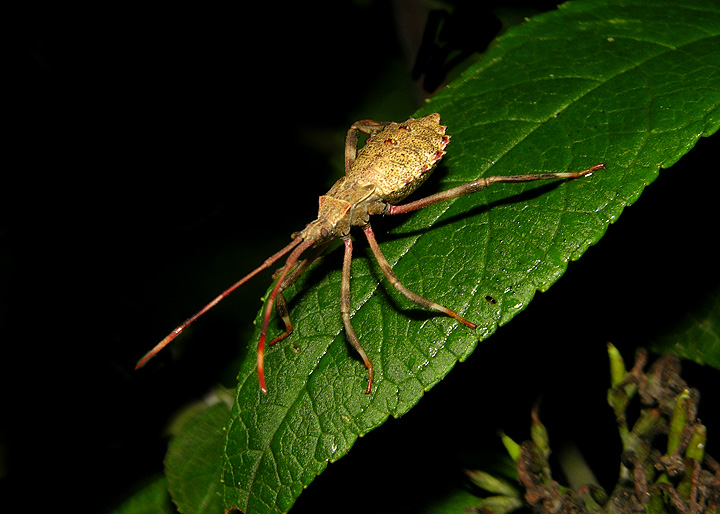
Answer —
291 260
351 140
414 297
345 310
280 302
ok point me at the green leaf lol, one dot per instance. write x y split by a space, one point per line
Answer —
194 461
151 499
697 336
456 501
492 483
633 85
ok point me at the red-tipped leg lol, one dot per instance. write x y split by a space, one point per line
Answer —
480 184
395 282
291 260
261 365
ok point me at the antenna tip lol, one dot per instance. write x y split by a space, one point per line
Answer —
143 361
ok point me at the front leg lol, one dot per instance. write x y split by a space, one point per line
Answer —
281 307
351 140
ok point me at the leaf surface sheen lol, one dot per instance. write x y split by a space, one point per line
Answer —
632 85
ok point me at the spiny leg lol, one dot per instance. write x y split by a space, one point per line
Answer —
291 260
281 307
393 279
477 185
345 311
351 140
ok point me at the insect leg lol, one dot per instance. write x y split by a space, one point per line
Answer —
477 185
280 302
345 311
392 278
351 140
291 260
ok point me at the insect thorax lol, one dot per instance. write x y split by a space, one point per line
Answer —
392 164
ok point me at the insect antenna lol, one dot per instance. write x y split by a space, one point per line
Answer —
178 330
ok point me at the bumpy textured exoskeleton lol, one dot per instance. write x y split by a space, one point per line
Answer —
395 161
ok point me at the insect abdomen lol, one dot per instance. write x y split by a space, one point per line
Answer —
401 157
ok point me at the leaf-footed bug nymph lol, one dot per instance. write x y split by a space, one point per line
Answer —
395 161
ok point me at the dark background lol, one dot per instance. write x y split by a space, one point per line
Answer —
158 154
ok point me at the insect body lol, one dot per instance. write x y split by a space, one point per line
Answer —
394 162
